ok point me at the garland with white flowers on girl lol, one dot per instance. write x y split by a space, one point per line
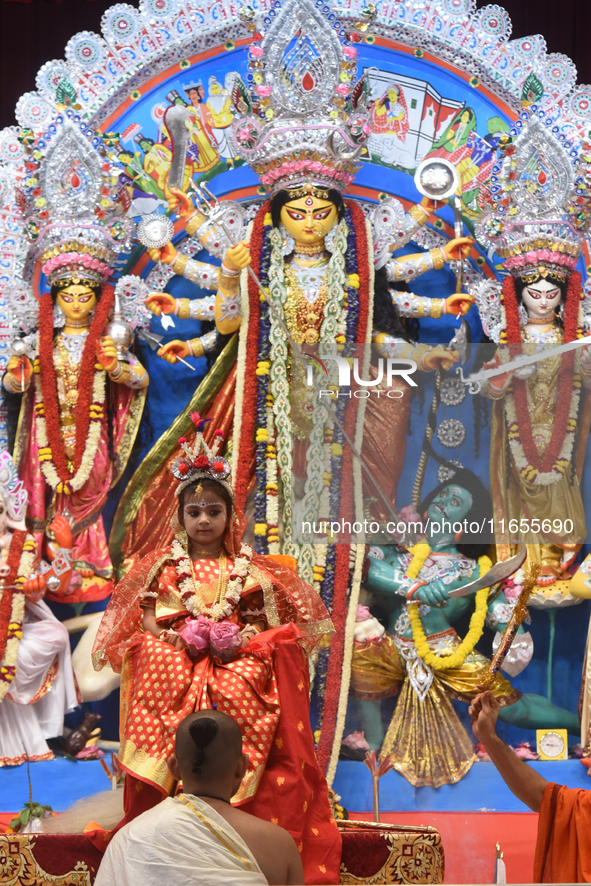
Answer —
225 607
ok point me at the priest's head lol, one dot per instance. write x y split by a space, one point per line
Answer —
208 756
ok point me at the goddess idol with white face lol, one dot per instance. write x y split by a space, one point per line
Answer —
539 432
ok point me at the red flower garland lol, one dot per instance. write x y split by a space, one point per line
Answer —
565 385
249 401
85 380
13 561
363 266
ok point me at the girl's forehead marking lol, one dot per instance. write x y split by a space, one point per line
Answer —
201 503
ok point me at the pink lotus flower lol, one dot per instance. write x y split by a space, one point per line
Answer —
224 638
362 613
256 51
511 590
356 740
195 632
263 91
90 752
525 751
74 583
408 514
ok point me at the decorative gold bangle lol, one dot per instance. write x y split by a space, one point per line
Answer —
12 385
419 213
180 263
116 373
227 283
184 310
436 308
194 222
197 349
438 257
493 393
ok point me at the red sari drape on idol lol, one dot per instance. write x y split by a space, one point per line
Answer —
265 688
85 505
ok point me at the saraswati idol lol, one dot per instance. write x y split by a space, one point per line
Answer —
541 411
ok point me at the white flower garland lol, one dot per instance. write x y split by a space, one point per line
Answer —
225 607
92 440
17 614
334 324
357 552
279 383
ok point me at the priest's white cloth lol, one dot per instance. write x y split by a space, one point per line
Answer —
43 690
182 841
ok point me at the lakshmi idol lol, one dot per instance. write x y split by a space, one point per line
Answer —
81 396
540 413
205 623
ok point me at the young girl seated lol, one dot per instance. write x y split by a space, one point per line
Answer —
205 623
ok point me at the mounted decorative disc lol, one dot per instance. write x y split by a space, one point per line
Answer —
155 231
437 178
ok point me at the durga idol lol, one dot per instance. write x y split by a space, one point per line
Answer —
329 269
81 396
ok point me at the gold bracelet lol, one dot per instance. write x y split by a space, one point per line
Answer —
180 263
228 282
123 373
438 257
197 349
194 222
419 213
436 308
12 385
184 311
